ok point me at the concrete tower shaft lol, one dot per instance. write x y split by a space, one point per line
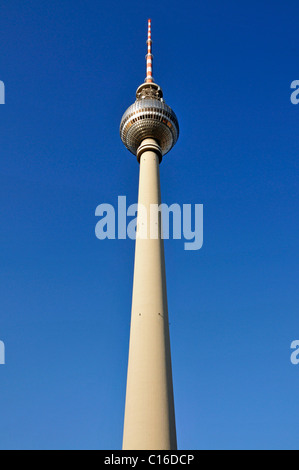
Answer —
149 415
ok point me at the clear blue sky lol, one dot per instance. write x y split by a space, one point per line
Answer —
71 69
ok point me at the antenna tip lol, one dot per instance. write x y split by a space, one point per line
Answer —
149 56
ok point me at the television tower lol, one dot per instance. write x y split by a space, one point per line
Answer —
149 129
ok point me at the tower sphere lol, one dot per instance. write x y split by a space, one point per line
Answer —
149 117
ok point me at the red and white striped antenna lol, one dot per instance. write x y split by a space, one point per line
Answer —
149 56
